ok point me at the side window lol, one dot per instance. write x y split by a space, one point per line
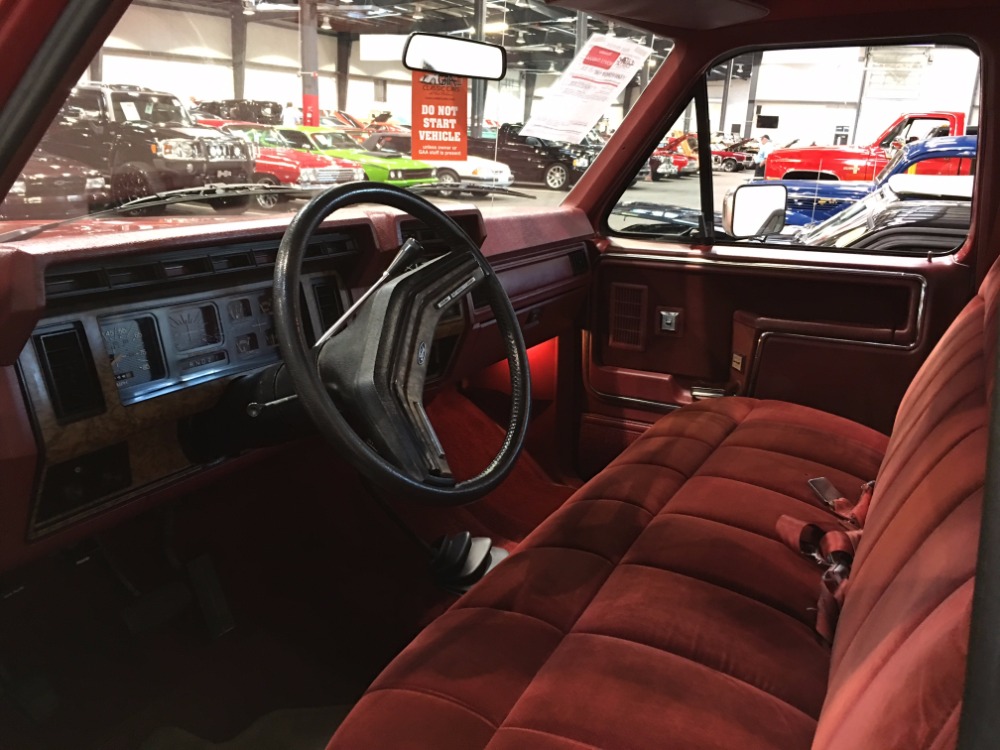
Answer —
887 144
665 198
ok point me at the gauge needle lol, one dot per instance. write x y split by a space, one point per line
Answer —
116 360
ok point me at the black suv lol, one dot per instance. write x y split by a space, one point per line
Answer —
144 142
557 165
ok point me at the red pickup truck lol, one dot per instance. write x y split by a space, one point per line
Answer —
853 162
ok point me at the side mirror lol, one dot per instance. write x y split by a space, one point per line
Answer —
448 56
754 209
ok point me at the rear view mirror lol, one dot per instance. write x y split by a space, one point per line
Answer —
754 209
447 55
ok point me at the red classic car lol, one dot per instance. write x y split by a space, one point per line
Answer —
853 162
729 161
277 164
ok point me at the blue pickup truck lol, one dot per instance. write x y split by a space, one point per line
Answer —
811 201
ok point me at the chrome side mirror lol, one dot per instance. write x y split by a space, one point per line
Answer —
754 209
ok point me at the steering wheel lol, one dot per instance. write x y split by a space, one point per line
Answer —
363 387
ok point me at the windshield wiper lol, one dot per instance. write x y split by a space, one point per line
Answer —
164 198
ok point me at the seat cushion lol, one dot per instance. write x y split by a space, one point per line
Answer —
658 605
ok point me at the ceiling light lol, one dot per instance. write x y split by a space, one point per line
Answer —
326 24
559 49
611 28
248 8
552 67
418 14
346 2
495 27
520 37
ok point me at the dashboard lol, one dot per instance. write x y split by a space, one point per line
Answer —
135 342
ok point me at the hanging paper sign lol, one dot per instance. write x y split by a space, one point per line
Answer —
440 116
587 89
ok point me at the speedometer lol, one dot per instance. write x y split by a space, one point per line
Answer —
133 347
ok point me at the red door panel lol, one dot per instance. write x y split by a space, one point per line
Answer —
847 340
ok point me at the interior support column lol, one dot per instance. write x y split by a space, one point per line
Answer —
752 97
478 85
345 43
97 66
529 93
581 30
725 96
238 43
309 62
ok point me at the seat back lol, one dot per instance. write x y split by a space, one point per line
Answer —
898 662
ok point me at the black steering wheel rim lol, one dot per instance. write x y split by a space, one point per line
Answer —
311 389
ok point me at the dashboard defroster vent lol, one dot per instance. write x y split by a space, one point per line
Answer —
164 269
69 373
627 326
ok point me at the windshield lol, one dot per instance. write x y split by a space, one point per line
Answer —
334 140
178 89
261 136
150 108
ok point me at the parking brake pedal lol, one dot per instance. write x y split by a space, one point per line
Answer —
461 560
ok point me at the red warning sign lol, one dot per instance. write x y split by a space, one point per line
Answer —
440 116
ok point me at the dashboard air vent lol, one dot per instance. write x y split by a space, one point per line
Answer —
627 326
578 261
69 373
328 304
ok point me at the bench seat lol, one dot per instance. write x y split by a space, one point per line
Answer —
658 607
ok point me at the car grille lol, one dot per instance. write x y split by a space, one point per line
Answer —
333 174
47 186
417 174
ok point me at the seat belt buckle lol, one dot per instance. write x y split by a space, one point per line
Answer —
825 490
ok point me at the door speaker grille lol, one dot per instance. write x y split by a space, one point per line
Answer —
627 327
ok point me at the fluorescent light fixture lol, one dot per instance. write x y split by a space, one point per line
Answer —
495 27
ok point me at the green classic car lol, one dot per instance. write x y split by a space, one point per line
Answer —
380 167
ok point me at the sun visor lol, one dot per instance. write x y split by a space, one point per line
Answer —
680 14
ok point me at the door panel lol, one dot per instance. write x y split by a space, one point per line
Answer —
843 339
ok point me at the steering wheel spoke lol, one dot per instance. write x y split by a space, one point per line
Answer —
376 366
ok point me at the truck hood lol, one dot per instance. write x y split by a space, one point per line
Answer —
173 131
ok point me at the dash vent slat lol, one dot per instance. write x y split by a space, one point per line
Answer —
169 268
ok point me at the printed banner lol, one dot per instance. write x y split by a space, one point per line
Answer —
586 89
440 116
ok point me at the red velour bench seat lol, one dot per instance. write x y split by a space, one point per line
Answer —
659 608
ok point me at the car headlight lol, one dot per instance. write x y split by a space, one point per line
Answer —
178 148
394 174
307 175
215 151
581 162
95 183
434 173
19 187
359 174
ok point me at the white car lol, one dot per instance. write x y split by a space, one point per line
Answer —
474 174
